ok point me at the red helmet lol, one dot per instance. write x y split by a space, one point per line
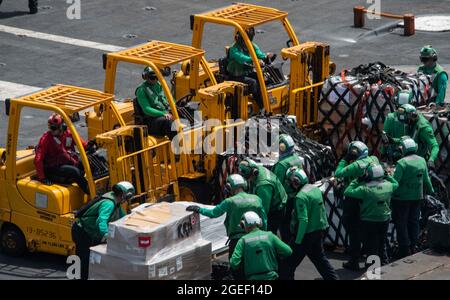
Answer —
55 121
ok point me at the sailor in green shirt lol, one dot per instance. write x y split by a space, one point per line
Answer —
288 158
411 172
152 106
375 191
234 206
91 226
240 64
428 58
308 225
257 252
407 121
352 166
266 186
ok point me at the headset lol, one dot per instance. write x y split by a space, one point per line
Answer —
242 224
126 195
294 181
149 74
227 189
282 147
424 59
254 171
55 121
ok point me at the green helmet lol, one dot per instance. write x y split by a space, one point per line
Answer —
296 177
407 113
374 171
408 145
404 97
286 144
235 181
124 188
358 150
428 52
250 218
248 167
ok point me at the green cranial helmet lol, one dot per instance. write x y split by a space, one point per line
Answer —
374 171
358 150
296 177
428 52
407 113
251 218
404 97
124 188
286 144
234 182
248 167
408 145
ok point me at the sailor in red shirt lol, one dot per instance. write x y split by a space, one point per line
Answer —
56 160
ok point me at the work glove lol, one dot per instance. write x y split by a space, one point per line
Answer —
91 146
384 138
349 157
46 181
270 57
193 208
431 165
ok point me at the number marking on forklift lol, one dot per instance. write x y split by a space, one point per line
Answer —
42 232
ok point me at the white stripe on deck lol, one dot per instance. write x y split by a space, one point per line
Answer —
59 39
13 90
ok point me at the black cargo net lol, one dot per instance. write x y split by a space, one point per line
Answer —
319 160
354 106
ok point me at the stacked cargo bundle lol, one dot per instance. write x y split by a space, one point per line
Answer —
160 241
354 105
318 160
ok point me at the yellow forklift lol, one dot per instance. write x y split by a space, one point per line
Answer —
296 94
195 89
38 217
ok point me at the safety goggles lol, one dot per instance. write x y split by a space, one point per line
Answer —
54 127
425 59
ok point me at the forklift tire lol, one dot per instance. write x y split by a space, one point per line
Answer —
12 240
195 191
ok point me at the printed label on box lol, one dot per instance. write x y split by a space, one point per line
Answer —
171 270
162 272
95 258
111 231
151 271
136 251
144 241
179 263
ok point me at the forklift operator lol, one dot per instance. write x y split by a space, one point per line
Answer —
56 160
154 105
240 66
